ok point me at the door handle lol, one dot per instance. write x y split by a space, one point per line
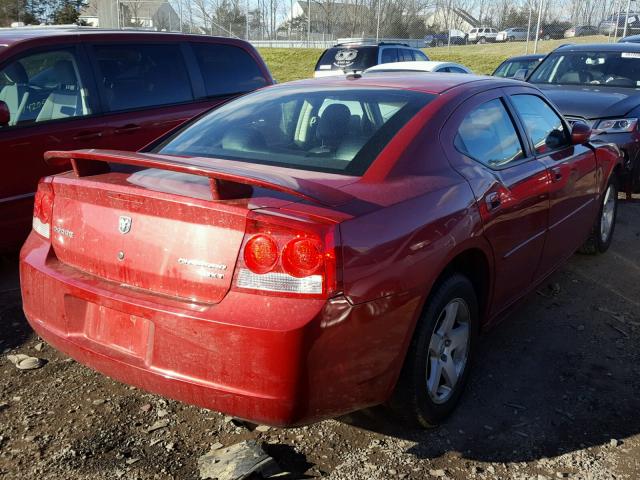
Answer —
493 201
87 135
128 128
556 174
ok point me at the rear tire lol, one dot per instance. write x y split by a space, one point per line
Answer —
439 358
482 40
601 235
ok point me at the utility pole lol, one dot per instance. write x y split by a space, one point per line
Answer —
529 28
626 19
535 45
615 34
378 22
308 23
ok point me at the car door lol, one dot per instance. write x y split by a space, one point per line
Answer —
510 186
572 171
53 106
146 89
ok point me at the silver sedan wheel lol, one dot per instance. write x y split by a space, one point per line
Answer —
448 350
608 214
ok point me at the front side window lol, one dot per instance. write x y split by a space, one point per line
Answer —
137 76
420 56
487 134
331 130
544 126
608 69
227 70
43 87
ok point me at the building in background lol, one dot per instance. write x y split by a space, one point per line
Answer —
146 14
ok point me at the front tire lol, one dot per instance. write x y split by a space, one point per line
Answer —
437 364
601 235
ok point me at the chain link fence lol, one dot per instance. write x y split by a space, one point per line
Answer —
527 24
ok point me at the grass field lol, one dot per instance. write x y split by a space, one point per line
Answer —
295 63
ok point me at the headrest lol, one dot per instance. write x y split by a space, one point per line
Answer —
334 123
16 73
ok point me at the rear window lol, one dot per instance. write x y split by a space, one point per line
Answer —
348 58
329 130
227 69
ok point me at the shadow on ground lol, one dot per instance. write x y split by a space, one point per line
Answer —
14 329
560 374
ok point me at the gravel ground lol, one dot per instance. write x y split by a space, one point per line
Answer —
554 394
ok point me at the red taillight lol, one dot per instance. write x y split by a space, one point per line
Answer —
260 254
302 257
289 255
43 208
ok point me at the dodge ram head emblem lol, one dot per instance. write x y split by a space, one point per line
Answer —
124 225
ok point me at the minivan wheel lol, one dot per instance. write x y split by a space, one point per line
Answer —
482 40
438 361
440 43
601 235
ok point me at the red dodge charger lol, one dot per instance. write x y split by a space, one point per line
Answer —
316 247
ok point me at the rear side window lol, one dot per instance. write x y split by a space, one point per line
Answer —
137 76
488 135
389 55
227 69
543 125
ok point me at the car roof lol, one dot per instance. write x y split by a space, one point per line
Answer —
416 65
599 47
520 58
11 36
417 81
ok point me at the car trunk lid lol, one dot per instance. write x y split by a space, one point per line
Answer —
108 225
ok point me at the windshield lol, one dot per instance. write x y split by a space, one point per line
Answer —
348 58
611 69
331 130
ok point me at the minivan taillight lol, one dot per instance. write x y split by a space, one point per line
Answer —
288 255
43 208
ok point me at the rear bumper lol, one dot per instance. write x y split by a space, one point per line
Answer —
269 359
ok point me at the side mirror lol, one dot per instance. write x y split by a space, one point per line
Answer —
580 133
5 114
521 74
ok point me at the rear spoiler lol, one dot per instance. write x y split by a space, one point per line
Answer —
94 162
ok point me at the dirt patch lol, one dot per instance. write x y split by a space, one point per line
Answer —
554 394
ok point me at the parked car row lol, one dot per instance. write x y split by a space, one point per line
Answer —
357 230
483 35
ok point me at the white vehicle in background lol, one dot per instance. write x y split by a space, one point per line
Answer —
515 34
482 35
430 66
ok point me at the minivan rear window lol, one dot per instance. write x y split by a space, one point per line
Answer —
227 69
348 58
330 130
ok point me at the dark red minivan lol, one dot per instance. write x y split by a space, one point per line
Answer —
64 89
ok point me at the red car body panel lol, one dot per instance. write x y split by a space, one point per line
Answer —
419 210
24 147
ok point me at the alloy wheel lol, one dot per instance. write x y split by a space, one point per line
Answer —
448 350
608 214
